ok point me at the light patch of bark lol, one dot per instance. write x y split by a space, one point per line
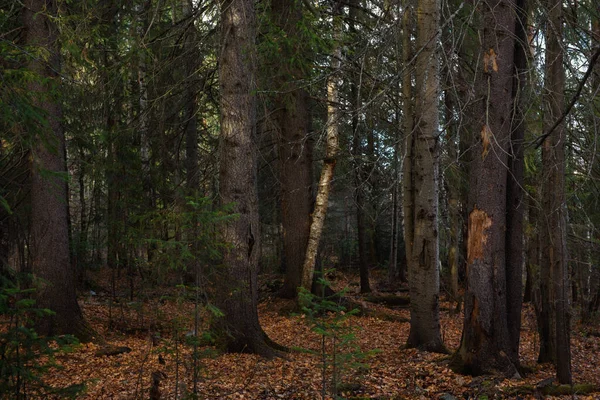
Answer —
479 223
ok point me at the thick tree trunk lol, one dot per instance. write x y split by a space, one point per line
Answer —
554 224
423 267
49 214
333 120
295 147
485 339
237 294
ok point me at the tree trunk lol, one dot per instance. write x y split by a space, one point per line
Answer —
533 256
49 213
295 147
453 179
333 120
408 125
485 339
359 178
514 192
237 294
554 224
423 267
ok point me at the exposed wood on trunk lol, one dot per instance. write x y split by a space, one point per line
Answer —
485 339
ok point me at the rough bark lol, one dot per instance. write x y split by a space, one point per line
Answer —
359 176
485 340
453 191
408 125
514 189
295 147
333 118
237 294
49 233
554 223
423 267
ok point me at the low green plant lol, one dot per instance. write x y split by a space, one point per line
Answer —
24 355
341 356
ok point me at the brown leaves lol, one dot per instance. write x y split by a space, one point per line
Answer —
490 62
394 372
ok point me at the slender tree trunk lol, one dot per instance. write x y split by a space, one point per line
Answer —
190 126
407 111
359 179
453 183
554 223
49 214
237 295
423 267
485 339
333 118
533 257
292 119
514 189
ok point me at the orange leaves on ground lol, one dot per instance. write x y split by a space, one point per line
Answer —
392 373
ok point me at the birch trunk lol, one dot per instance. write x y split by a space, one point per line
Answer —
333 117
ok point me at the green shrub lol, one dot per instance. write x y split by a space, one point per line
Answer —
25 356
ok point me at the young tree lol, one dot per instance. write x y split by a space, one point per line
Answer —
360 195
237 294
555 346
49 231
514 189
407 127
423 264
333 120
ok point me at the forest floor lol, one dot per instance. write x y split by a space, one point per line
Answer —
153 335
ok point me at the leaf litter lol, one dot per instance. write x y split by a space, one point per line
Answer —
155 332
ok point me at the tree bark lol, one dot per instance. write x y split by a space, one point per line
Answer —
49 213
514 193
292 120
237 294
359 178
554 223
333 118
408 125
485 339
423 267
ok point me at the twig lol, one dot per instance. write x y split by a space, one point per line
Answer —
540 139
